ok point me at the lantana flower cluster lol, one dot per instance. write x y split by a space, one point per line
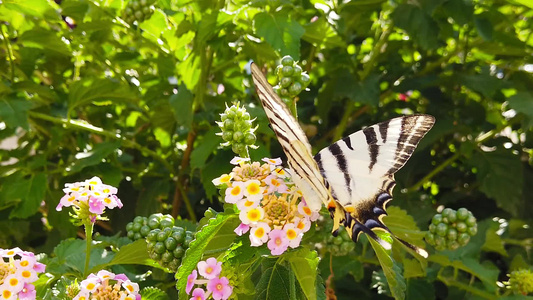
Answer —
109 286
217 287
89 198
270 206
18 270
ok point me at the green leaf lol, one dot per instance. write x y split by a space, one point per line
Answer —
182 103
320 32
204 236
205 148
460 10
95 156
274 282
404 226
418 24
522 102
36 8
14 112
152 293
34 190
281 32
105 91
420 289
131 254
494 242
304 265
46 40
392 271
484 83
484 27
499 174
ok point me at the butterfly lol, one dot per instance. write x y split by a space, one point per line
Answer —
353 177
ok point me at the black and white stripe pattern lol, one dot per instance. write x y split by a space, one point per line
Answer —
353 177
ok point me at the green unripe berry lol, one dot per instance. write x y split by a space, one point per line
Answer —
284 92
167 257
452 234
463 239
159 248
137 236
461 226
453 245
462 213
233 109
445 212
286 100
238 136
249 138
278 70
150 245
137 227
472 230
147 11
430 238
155 256
229 124
138 220
452 216
305 80
287 60
470 221
285 82
136 5
129 226
441 229
337 241
178 252
295 88
287 71
139 15
144 3
231 113
433 227
238 148
131 235
145 230
188 239
436 219
440 241
246 116
178 234
166 221
153 223
156 216
128 11
162 236
227 135
171 243
174 264
152 236
297 71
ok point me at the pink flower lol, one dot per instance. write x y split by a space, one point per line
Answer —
190 281
28 292
210 268
198 294
96 206
242 229
39 267
272 161
259 234
220 288
278 242
294 235
308 212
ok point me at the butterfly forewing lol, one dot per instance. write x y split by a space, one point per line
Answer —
293 141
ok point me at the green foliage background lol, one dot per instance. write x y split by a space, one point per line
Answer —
85 94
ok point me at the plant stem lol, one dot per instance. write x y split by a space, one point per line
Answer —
466 287
434 172
89 240
80 125
10 54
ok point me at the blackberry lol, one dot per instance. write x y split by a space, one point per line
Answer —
451 229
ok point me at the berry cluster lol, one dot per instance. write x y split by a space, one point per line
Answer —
451 229
138 10
291 79
237 130
521 281
324 241
141 226
168 245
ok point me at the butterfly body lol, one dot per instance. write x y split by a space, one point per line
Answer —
353 177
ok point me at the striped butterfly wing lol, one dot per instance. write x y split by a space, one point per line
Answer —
360 170
353 177
293 140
